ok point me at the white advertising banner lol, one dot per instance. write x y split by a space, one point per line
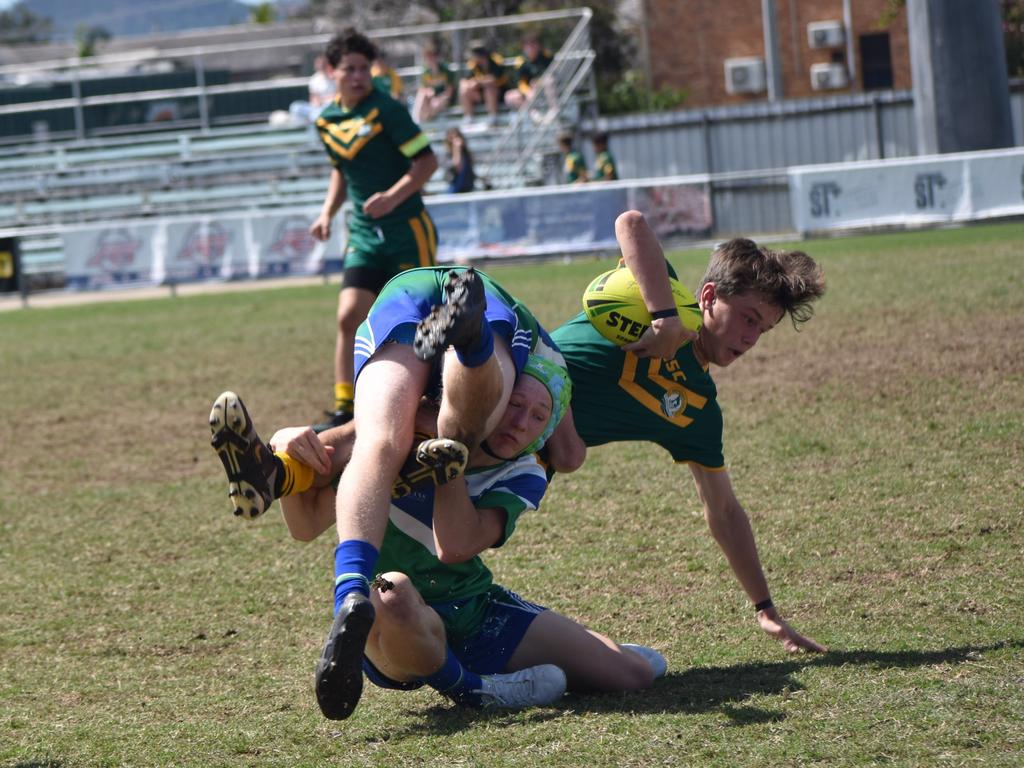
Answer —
109 256
907 192
205 249
997 185
565 219
255 244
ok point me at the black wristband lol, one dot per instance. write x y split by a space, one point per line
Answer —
764 605
674 312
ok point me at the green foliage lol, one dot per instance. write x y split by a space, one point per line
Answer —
264 13
19 25
1013 29
88 38
629 93
877 453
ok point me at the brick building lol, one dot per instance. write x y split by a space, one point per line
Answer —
715 49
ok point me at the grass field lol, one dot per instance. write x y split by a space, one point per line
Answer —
879 454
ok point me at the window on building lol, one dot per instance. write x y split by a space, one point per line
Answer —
875 61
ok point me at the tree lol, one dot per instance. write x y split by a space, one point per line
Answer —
19 25
264 13
87 38
1013 29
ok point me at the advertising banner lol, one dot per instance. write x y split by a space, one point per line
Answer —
106 256
907 192
255 244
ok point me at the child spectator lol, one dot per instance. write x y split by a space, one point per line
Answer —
487 82
459 165
531 66
385 78
436 86
573 167
604 163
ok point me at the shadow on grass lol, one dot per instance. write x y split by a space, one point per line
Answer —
725 689
704 689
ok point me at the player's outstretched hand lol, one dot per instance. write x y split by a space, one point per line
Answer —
791 640
302 444
663 339
321 228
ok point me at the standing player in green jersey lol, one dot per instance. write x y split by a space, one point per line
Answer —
659 389
381 159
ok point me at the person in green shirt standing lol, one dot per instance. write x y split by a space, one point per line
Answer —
380 159
604 163
573 166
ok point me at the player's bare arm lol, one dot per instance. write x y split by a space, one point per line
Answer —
336 193
731 530
461 531
643 254
419 173
565 451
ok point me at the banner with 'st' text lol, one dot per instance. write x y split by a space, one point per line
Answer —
908 191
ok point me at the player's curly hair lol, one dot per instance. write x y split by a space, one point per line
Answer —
349 41
791 280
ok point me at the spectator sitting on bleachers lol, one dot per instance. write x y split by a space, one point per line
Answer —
385 78
436 86
487 82
530 66
459 163
321 92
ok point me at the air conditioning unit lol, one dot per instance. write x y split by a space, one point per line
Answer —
745 75
828 77
826 34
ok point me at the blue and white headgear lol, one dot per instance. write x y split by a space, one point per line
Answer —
555 379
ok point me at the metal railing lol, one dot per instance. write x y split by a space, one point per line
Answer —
533 129
72 73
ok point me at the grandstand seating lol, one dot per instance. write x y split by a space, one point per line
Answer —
48 185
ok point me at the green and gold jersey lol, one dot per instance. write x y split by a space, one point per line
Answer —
527 71
371 144
618 396
574 167
386 80
514 487
494 66
437 81
604 167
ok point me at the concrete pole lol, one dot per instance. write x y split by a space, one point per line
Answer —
961 89
772 65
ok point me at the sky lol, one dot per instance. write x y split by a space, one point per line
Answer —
5 4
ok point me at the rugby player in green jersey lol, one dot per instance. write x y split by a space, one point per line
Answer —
381 160
439 618
659 389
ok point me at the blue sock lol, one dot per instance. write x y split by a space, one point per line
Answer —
455 681
480 352
354 561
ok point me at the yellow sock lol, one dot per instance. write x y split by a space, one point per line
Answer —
297 476
344 392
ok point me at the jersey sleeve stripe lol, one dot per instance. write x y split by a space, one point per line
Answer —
415 144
